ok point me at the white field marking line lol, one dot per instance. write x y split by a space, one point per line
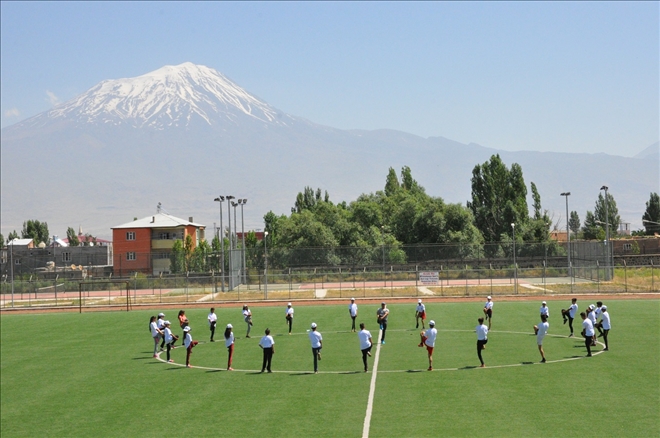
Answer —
375 367
372 390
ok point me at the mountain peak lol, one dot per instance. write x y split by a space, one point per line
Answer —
173 95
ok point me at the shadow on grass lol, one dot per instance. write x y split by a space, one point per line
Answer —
305 373
143 358
352 372
527 363
469 367
414 371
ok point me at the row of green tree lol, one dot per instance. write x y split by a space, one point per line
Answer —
38 232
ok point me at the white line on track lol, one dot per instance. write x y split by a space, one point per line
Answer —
372 390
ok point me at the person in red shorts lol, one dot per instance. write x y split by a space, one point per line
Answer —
428 341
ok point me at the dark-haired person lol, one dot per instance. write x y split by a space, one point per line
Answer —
213 320
382 314
605 325
482 339
189 343
267 344
569 314
247 317
170 339
597 311
183 321
161 326
540 331
229 343
366 343
591 314
587 332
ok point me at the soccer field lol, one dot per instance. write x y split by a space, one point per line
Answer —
93 374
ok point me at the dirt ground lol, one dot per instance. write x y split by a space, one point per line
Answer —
335 301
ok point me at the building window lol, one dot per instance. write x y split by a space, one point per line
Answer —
17 261
130 235
66 256
627 246
130 256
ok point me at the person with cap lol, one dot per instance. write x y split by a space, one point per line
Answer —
161 327
428 341
169 338
229 343
569 314
156 333
317 343
353 311
591 314
605 325
382 314
213 319
189 344
482 339
183 321
289 316
366 343
587 332
420 312
267 344
540 331
488 309
544 310
247 317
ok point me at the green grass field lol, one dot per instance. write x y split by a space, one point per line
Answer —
93 375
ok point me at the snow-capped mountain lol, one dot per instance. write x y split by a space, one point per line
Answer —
167 97
182 135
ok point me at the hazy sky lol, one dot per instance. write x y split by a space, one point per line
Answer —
546 76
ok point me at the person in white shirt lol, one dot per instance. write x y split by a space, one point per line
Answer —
428 341
161 327
156 333
383 312
247 317
591 314
289 316
605 325
482 339
488 310
587 332
597 312
353 311
366 343
317 343
170 338
540 331
267 344
189 343
229 343
213 319
544 310
569 314
420 312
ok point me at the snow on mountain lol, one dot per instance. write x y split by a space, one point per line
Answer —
167 97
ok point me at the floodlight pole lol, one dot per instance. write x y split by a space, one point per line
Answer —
568 237
515 266
607 232
220 200
12 271
265 266
231 268
244 201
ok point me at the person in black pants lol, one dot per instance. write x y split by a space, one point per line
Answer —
382 313
267 343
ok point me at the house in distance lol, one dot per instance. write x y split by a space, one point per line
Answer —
145 245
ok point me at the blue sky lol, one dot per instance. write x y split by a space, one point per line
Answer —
547 76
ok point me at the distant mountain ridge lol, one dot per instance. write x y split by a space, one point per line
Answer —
182 135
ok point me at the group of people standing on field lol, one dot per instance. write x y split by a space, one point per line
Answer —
595 318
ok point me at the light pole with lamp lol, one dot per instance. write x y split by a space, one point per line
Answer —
515 266
220 200
235 204
242 202
265 266
231 267
607 231
568 236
